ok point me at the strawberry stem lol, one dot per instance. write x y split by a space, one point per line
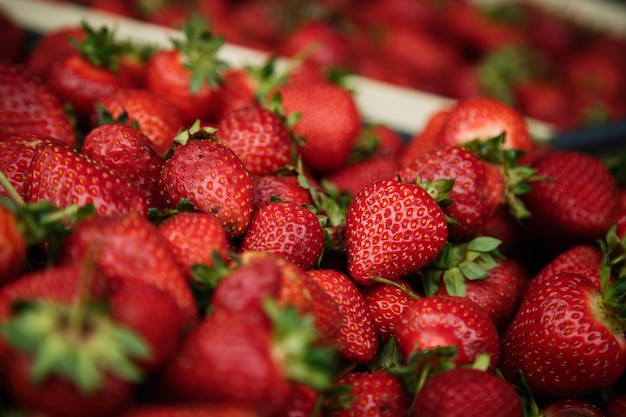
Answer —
11 191
405 290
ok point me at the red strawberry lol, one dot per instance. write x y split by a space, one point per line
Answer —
51 47
129 152
27 106
357 340
237 90
90 73
62 176
426 139
352 177
287 229
194 238
188 73
277 186
329 122
303 402
616 405
12 246
548 341
546 101
188 410
441 320
157 118
574 204
465 392
259 137
131 250
393 228
370 393
210 176
385 303
570 407
473 198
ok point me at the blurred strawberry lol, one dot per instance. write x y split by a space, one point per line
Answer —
52 47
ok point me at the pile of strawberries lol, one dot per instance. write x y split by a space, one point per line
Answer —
182 238
547 65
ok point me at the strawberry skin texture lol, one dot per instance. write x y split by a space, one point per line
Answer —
157 118
444 320
259 138
63 176
285 188
287 229
385 303
127 151
392 228
561 340
467 392
357 340
27 105
212 177
329 122
353 177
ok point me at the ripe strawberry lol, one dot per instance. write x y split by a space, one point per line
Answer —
438 321
571 407
473 199
157 118
465 392
12 246
62 176
574 205
385 303
127 151
259 137
51 47
287 229
546 101
28 106
426 139
188 410
90 73
352 177
142 257
194 238
357 340
189 72
303 402
329 121
266 188
393 228
237 90
262 275
211 176
370 393
567 310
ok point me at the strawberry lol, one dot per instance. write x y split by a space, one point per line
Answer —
128 151
90 73
329 121
188 410
259 137
473 201
392 228
357 340
262 275
616 405
230 357
567 310
51 47
154 114
12 246
576 202
143 257
465 392
194 238
303 402
237 90
61 175
438 321
571 407
352 177
288 229
426 139
386 302
210 175
189 72
29 106
546 101
277 186
370 393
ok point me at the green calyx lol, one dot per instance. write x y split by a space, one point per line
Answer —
457 263
82 351
200 51
195 132
613 293
296 346
99 47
